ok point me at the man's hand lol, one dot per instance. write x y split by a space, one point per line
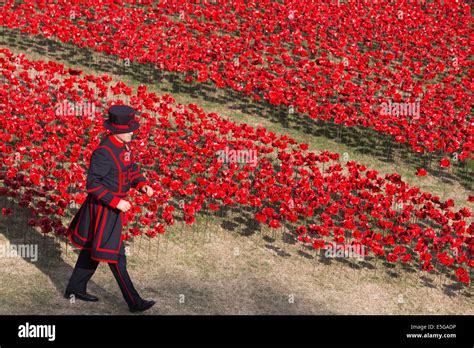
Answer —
123 205
148 190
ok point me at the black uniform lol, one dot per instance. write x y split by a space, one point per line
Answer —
97 226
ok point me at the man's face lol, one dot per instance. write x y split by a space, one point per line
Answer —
125 137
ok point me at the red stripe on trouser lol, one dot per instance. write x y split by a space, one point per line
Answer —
124 284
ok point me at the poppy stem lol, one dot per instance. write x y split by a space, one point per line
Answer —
193 227
206 229
158 246
166 242
183 231
133 245
140 244
148 256
315 259
281 234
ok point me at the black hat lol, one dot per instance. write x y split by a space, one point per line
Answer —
121 119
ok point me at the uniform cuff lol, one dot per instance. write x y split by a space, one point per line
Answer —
113 203
141 184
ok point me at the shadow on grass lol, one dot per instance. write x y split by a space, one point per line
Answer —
50 260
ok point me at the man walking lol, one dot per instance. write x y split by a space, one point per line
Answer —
97 226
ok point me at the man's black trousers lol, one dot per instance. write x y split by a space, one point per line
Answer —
85 268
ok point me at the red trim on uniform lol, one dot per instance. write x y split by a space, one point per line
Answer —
100 238
77 245
103 260
101 231
116 141
120 194
82 238
141 184
91 204
97 218
135 176
113 203
95 189
124 284
132 172
89 234
102 194
77 225
116 125
127 183
125 180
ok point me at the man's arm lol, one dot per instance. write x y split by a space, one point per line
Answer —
137 180
98 169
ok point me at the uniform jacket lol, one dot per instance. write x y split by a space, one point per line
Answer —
97 224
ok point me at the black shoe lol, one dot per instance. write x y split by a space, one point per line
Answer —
84 297
143 307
